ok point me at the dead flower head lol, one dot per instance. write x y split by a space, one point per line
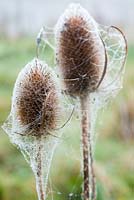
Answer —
35 104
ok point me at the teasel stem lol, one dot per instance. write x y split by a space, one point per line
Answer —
39 175
89 187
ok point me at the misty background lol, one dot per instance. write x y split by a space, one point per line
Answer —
20 22
22 17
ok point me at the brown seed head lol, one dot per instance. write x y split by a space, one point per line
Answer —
79 52
36 99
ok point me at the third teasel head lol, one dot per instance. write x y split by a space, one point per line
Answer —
80 51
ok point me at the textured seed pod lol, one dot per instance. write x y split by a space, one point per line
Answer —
79 51
35 104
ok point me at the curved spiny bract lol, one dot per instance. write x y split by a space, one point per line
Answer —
79 51
36 100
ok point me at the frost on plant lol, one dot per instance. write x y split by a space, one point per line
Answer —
34 119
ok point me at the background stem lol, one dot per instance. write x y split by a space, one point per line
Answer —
88 170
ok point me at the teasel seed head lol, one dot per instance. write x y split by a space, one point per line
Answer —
35 103
79 51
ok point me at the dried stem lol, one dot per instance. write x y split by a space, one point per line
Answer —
40 184
88 170
93 178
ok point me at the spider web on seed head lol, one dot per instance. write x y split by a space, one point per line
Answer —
116 52
116 49
90 26
29 145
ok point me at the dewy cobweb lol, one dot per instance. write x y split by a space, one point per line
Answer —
115 45
35 90
116 50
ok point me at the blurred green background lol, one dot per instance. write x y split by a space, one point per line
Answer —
114 150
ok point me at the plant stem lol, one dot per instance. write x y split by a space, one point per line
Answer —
88 170
39 179
92 176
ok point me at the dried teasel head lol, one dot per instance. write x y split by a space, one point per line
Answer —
80 51
35 103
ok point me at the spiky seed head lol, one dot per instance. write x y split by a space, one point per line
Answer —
36 99
79 52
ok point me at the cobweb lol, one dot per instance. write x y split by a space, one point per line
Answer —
38 151
116 49
29 147
115 45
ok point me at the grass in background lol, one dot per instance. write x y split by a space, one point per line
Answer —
114 157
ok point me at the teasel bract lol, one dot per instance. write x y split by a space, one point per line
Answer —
82 59
34 118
